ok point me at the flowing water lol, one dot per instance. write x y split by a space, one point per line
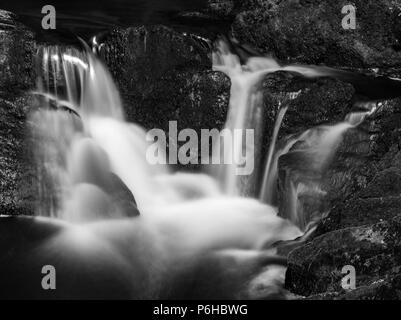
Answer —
320 144
84 146
87 153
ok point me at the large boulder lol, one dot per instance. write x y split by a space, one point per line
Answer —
163 76
374 252
310 31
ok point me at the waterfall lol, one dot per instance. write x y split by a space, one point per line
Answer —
317 145
314 149
90 142
245 101
93 173
87 153
266 193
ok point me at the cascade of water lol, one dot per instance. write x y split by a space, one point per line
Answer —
315 150
266 193
93 140
244 87
270 172
84 151
244 103
88 145
269 188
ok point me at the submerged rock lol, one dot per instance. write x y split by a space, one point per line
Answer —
311 32
373 251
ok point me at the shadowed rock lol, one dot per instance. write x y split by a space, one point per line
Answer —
362 182
164 76
372 250
310 31
17 49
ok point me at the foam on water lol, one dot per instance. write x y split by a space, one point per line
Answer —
83 140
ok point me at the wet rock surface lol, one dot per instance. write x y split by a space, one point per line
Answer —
309 108
17 48
311 32
373 251
363 197
163 76
12 157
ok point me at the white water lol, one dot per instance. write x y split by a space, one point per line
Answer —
182 215
244 104
318 144
316 149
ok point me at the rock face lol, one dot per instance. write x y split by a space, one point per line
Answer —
362 225
17 48
362 181
311 32
373 251
166 76
309 107
307 101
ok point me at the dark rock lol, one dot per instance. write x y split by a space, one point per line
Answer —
221 8
17 48
14 165
310 32
387 288
166 76
360 212
372 250
364 153
385 184
310 107
363 181
122 196
228 9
